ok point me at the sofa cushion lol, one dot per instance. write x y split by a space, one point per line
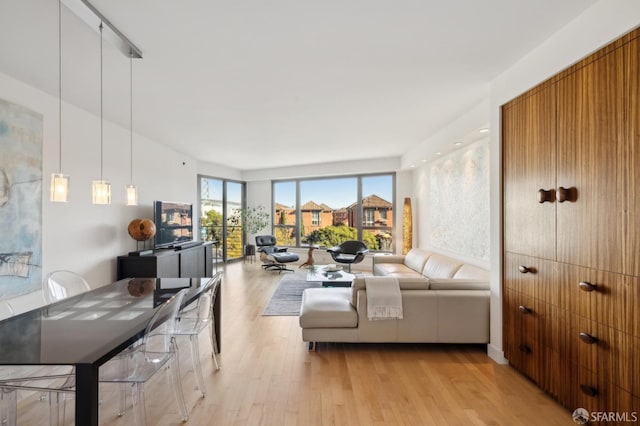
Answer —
416 259
463 316
472 272
391 268
410 282
458 284
387 258
439 266
327 308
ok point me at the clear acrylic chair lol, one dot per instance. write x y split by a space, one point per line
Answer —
195 318
156 349
56 286
23 377
59 285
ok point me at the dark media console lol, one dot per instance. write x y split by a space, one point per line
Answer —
192 260
186 245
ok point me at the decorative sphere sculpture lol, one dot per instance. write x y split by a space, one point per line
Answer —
138 287
142 229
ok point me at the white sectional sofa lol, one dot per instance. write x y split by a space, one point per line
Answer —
444 301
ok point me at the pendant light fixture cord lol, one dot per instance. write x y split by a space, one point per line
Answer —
101 105
60 85
131 117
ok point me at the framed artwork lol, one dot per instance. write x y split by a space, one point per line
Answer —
20 200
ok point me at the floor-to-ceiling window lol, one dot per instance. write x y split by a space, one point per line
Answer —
329 211
235 232
285 212
377 209
219 199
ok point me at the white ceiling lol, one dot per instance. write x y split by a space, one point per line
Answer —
257 84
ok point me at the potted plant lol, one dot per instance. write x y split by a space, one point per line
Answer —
313 238
253 220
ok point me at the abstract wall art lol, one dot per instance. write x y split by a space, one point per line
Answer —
20 200
459 202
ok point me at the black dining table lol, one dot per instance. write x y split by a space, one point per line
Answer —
87 330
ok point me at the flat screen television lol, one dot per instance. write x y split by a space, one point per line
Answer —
174 224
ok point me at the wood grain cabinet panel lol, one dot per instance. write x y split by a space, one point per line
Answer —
511 327
554 331
587 390
524 351
529 161
632 106
607 398
591 149
635 379
571 230
591 152
620 402
553 377
532 276
613 301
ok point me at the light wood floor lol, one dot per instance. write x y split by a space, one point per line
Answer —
269 378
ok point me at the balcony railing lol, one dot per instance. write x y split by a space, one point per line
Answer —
233 240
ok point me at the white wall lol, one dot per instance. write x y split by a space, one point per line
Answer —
463 129
597 26
336 168
78 235
452 195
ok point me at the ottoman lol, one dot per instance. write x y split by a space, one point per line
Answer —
327 314
279 260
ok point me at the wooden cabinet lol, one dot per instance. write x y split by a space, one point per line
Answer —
191 262
529 160
591 149
571 277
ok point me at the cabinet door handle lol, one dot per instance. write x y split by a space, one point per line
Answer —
546 195
524 348
588 339
567 194
524 309
524 269
586 286
588 390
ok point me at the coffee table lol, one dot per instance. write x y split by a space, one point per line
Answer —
330 279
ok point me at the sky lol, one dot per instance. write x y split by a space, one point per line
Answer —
334 192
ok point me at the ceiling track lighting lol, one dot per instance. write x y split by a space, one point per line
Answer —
101 189
93 18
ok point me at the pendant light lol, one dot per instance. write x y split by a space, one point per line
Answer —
59 181
132 190
101 189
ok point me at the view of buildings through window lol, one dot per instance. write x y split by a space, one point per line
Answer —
219 199
326 211
328 214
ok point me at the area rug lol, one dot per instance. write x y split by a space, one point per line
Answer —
288 295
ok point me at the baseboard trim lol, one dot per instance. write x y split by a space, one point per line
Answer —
496 354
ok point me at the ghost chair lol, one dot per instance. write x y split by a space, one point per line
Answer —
59 285
26 377
157 349
195 318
